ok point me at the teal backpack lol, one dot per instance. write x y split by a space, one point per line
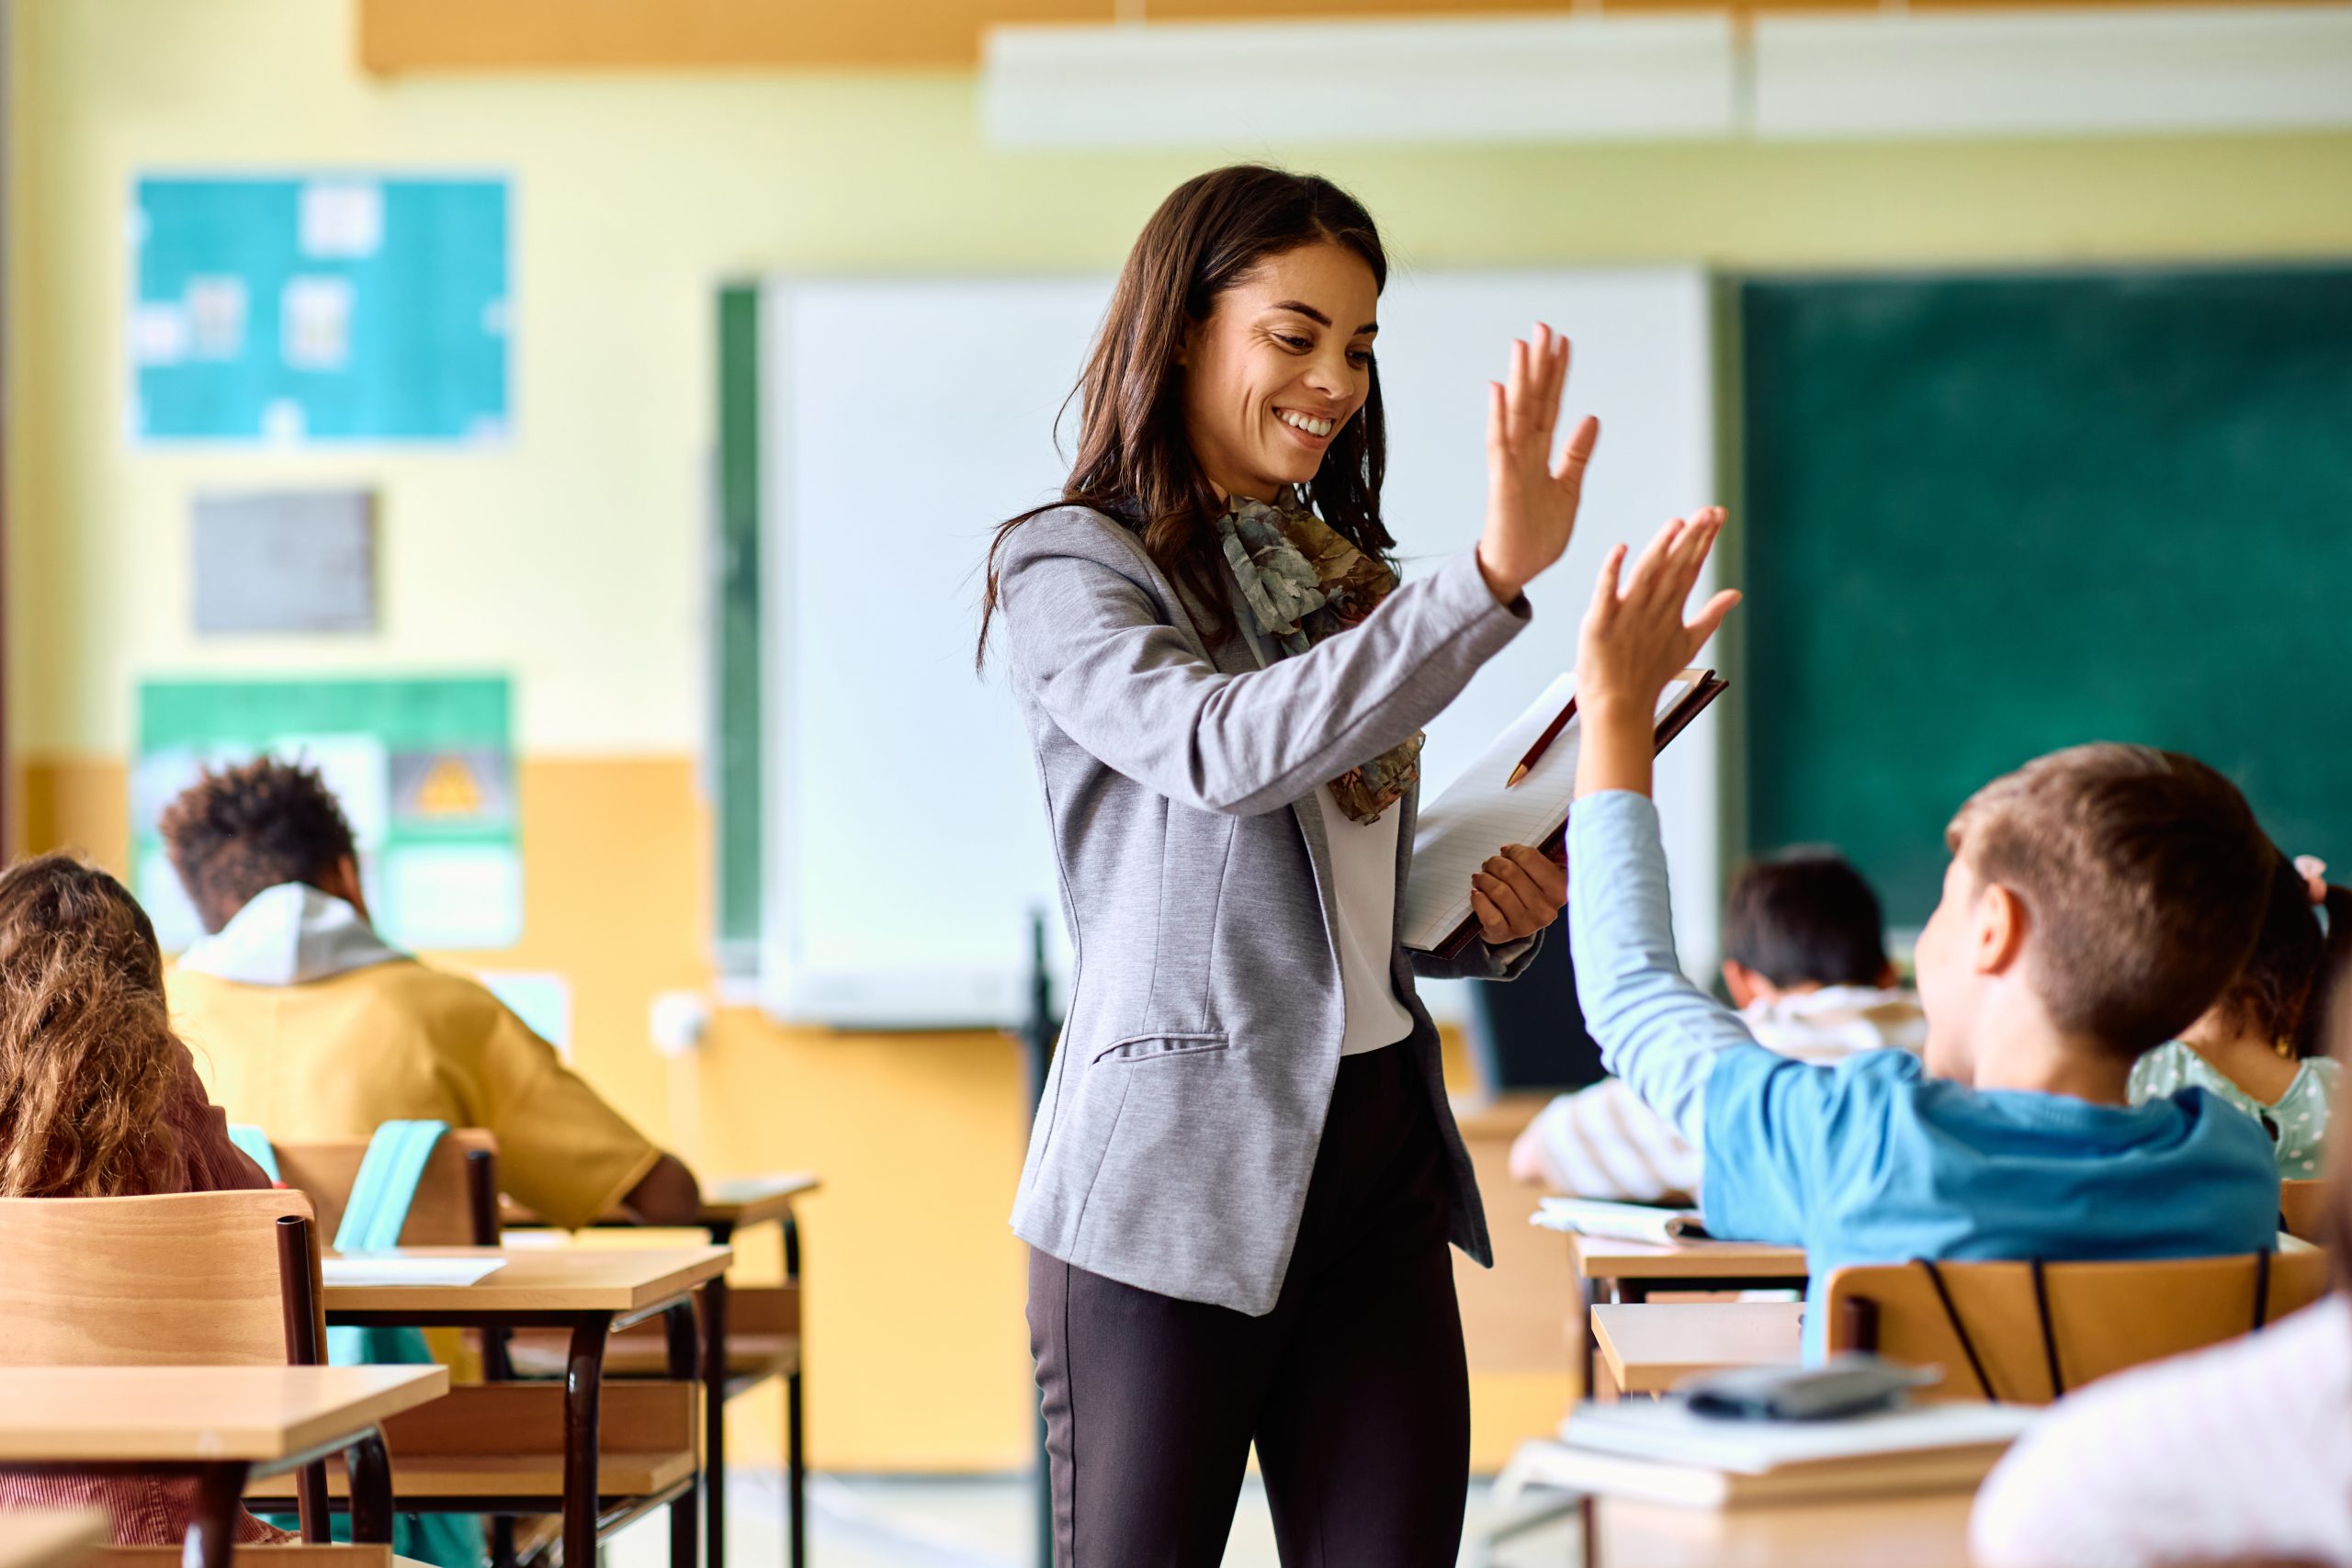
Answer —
373 1218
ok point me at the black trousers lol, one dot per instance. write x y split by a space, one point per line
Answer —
1353 1388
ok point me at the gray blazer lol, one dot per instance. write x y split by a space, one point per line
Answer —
1187 1097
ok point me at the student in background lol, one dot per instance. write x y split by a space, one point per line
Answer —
1806 967
313 1028
2098 901
99 1099
2259 1048
2239 1453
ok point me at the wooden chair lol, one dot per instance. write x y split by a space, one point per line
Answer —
186 1278
496 1448
2027 1333
456 1204
2302 1210
456 1198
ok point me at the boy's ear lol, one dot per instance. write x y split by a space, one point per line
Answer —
347 872
1889 977
1744 984
1998 930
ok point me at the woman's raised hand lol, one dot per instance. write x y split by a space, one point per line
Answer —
1531 501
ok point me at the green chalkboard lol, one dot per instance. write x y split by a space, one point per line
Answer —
1989 516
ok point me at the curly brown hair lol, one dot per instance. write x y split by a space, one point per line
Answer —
242 830
87 1057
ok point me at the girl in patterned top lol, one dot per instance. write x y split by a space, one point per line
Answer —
2259 1047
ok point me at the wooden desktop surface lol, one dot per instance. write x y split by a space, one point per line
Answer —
742 1200
1650 1347
1596 1258
735 1201
1914 1532
256 1414
49 1538
543 1279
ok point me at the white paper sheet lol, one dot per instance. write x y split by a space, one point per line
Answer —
1459 832
360 1268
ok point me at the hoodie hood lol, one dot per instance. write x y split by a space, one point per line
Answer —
287 935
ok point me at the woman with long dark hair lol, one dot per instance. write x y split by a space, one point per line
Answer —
1244 1176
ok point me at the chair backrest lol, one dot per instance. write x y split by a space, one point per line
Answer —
184 1278
456 1198
2102 1317
2302 1210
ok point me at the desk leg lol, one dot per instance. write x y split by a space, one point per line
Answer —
714 1419
796 1455
212 1533
371 1490
583 1383
1593 1297
1589 1527
678 1324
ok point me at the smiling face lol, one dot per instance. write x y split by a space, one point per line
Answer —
1283 361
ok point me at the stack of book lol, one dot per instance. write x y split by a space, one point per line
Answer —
1656 1450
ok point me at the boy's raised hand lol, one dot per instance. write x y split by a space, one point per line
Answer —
1634 640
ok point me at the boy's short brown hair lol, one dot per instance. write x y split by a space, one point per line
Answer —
2142 874
242 830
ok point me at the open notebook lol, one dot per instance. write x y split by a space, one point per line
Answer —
1459 832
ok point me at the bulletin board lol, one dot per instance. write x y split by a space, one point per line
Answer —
329 308
423 768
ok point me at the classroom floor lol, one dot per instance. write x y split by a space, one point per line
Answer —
912 1522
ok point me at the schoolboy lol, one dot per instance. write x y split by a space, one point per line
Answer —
2097 899
1804 962
310 1027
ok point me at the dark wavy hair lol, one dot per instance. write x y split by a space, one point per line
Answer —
1135 462
2282 993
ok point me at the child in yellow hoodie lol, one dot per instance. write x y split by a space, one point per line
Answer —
311 1027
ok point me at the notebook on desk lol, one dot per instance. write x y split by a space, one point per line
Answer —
1660 1450
1481 812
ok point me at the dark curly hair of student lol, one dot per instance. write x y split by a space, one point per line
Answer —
2281 994
1135 461
241 830
87 1057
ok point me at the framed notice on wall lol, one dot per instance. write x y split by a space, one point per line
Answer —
424 768
326 308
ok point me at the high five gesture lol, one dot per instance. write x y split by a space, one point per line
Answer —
1530 500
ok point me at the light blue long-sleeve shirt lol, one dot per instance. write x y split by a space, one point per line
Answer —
1871 1160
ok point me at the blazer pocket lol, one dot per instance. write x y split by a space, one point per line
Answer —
1152 1047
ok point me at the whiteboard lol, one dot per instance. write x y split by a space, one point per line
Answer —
904 418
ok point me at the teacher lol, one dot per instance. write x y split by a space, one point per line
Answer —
1244 1173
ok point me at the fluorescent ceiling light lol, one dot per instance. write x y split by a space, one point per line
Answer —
1481 79
2116 72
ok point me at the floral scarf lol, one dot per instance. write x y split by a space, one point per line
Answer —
1300 581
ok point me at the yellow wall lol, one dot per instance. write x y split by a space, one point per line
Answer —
574 558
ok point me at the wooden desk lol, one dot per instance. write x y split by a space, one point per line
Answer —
1648 1348
1916 1532
590 1292
1629 1270
729 1204
221 1425
49 1538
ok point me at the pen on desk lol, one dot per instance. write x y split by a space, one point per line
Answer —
1543 742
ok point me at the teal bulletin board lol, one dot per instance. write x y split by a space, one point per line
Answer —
1990 517
336 307
425 770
